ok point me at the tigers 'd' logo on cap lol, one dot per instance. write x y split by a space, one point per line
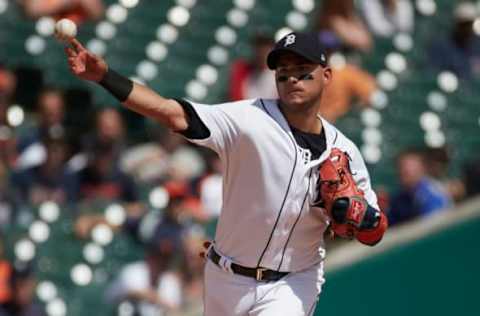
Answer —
289 40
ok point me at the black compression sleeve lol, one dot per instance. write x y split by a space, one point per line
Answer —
119 86
196 128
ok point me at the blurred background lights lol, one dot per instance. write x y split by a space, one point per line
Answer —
305 6
45 26
379 99
372 136
217 55
102 234
129 3
56 307
226 36
158 197
178 16
435 139
116 13
371 117
3 6
39 231
447 81
476 26
207 74
156 51
126 309
430 121
371 153
296 20
46 291
167 33
115 214
403 42
237 18
97 46
426 7
337 60
105 30
196 90
187 3
147 70
387 80
244 4
93 253
24 250
396 62
15 115
282 32
49 211
437 101
81 274
35 45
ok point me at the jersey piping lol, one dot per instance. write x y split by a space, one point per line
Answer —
286 193
295 224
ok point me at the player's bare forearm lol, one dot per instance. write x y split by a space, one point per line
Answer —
136 97
147 102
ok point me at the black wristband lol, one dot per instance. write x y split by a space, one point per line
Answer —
118 85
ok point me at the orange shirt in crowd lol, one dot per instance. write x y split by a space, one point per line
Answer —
348 83
5 274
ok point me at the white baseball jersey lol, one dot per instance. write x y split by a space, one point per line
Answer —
267 217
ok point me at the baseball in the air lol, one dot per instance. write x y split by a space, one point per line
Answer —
65 29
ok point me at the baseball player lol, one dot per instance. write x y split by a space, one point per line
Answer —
288 176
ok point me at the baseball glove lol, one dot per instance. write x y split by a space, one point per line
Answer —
343 200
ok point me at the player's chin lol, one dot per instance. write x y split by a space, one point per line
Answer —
294 100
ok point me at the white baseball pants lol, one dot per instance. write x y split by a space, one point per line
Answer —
228 294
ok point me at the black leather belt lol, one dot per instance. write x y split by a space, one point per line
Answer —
259 274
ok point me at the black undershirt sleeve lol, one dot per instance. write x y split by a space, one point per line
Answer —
196 128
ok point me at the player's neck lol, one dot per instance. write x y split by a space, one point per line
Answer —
306 121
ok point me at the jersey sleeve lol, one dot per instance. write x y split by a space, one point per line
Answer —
212 126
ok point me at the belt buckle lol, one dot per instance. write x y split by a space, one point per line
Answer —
259 274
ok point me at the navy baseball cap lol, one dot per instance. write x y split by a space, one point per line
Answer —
307 45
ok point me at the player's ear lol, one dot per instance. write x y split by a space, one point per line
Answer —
327 75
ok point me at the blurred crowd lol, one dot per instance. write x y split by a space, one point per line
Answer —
79 155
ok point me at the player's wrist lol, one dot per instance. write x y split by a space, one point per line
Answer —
119 86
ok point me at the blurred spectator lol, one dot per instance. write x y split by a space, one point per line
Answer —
460 51
7 200
437 161
252 79
385 18
168 157
5 276
51 115
341 19
50 181
210 187
109 130
471 176
349 83
152 286
78 11
8 151
418 195
22 300
194 265
102 180
8 82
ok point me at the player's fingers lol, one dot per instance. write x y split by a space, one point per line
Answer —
70 52
76 44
